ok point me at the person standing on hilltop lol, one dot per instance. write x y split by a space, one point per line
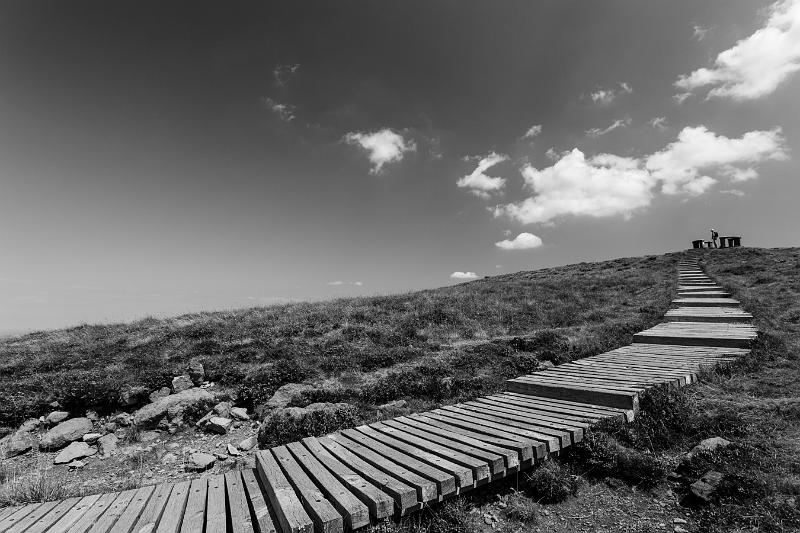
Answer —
714 237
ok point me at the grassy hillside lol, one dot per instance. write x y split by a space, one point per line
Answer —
434 346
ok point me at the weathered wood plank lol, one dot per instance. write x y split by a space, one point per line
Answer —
238 508
623 400
148 520
194 517
21 513
51 518
173 510
259 507
66 523
216 507
552 442
290 512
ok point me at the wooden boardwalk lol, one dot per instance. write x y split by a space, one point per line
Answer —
345 480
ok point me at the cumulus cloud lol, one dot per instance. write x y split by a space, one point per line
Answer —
463 275
282 73
602 96
523 241
684 165
699 32
533 131
597 132
284 111
478 182
382 146
659 123
756 65
339 282
608 185
733 192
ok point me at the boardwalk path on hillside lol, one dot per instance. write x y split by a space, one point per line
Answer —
348 479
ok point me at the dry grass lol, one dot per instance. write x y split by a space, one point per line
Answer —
39 485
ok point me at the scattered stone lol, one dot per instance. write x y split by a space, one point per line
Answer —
232 450
76 450
30 425
393 406
55 405
110 427
65 432
182 383
93 416
18 443
239 413
708 445
163 392
174 407
679 529
196 372
123 419
133 395
201 461
168 458
705 488
678 521
218 424
545 365
223 409
107 444
221 456
247 444
91 437
56 417
76 464
285 394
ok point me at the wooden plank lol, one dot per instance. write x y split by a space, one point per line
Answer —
379 503
354 512
134 509
426 488
405 495
324 515
241 521
216 508
291 514
173 510
258 505
74 515
148 520
566 418
499 459
564 437
8 511
464 455
21 513
598 409
705 302
622 400
51 518
462 475
194 517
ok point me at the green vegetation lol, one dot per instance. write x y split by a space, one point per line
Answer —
438 345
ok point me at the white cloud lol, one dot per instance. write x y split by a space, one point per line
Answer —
284 111
603 185
756 65
699 32
464 275
659 123
606 96
383 146
282 73
683 166
339 282
597 132
608 185
523 241
481 184
533 131
733 192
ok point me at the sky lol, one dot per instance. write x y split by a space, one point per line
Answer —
158 158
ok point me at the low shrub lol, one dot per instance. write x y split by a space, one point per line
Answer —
260 385
520 507
600 455
287 426
552 483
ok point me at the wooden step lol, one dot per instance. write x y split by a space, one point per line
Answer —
708 314
699 334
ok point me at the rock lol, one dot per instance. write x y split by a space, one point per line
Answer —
247 444
221 456
123 419
175 407
232 450
30 425
393 406
181 383
218 424
239 413
200 461
107 444
65 432
55 405
223 409
110 427
679 529
148 436
76 464
93 416
168 458
133 395
56 417
196 372
708 445
18 443
544 365
705 488
678 521
285 394
76 450
91 437
163 392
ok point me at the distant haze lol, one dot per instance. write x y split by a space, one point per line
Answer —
159 158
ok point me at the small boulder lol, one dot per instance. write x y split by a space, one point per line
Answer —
163 392
174 407
133 395
76 450
93 416
545 365
219 424
285 394
247 444
107 444
76 464
232 450
705 489
196 372
91 437
65 432
29 425
56 417
123 419
708 445
181 383
393 406
223 409
200 461
18 443
239 413
168 458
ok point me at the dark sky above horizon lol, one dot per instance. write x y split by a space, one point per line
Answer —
164 157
